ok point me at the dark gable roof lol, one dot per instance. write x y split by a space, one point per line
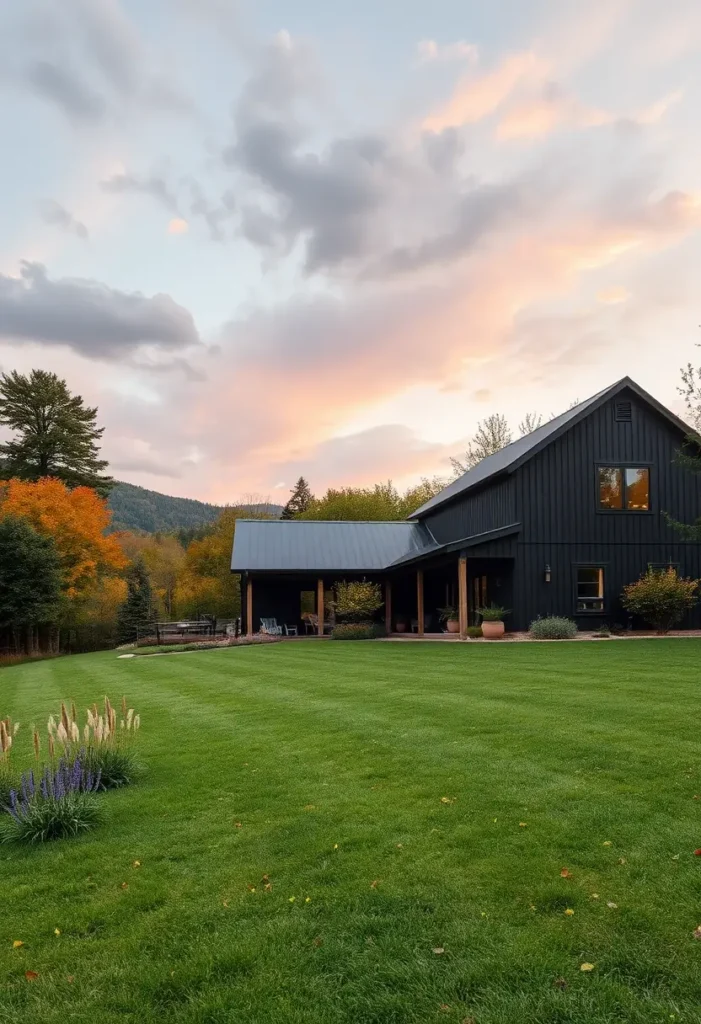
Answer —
296 545
514 454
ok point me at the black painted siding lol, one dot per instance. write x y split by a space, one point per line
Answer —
487 509
556 502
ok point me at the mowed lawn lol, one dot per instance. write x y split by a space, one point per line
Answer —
373 832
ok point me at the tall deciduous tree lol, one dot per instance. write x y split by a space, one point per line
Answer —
136 612
689 455
492 434
76 520
530 422
300 499
30 581
55 433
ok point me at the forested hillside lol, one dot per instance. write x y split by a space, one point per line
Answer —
135 508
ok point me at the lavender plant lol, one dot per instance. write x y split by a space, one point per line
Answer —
57 803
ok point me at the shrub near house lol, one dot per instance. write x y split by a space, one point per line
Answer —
661 597
355 604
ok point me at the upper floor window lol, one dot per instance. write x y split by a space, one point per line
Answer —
624 488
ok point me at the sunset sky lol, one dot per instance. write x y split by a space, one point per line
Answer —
292 237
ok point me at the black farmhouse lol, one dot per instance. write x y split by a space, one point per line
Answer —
556 523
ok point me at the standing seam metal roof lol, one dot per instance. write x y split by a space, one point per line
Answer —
312 545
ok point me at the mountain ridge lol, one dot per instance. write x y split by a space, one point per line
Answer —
138 508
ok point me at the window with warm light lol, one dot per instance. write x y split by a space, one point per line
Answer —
624 488
590 589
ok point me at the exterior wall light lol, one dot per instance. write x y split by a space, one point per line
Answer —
548 573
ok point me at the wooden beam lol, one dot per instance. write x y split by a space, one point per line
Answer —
420 601
320 606
388 607
249 607
462 596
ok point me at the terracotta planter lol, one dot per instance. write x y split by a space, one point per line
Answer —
400 627
492 630
452 626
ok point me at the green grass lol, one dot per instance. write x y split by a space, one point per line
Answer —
334 759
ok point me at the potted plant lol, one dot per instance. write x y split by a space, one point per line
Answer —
492 621
451 617
400 624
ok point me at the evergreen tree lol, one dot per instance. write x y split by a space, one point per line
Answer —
135 614
56 434
300 499
30 579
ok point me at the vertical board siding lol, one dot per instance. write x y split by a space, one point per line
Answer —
556 502
488 509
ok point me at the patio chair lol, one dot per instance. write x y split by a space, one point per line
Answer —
270 627
291 630
311 622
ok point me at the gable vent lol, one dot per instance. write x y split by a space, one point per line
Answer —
624 412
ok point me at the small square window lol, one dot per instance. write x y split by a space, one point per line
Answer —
590 589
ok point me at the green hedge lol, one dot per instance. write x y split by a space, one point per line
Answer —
355 631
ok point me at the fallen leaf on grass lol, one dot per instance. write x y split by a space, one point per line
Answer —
251 888
125 885
697 853
225 903
400 846
566 874
70 979
569 912
268 886
308 899
57 931
523 824
438 950
17 943
622 860
291 899
309 807
31 975
447 800
374 884
606 843
560 983
238 824
595 896
675 857
136 864
444 1008
697 932
335 846
587 967
318 942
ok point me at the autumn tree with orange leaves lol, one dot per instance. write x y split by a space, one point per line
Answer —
90 561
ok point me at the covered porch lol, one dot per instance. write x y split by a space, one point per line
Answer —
415 600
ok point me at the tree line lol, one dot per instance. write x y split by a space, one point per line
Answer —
64 576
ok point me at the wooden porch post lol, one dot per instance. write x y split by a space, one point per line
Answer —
388 607
462 596
420 601
249 606
320 606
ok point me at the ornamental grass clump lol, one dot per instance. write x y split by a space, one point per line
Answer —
8 775
107 740
54 805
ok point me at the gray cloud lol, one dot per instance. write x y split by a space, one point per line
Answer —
332 198
153 186
53 213
216 216
96 321
61 86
